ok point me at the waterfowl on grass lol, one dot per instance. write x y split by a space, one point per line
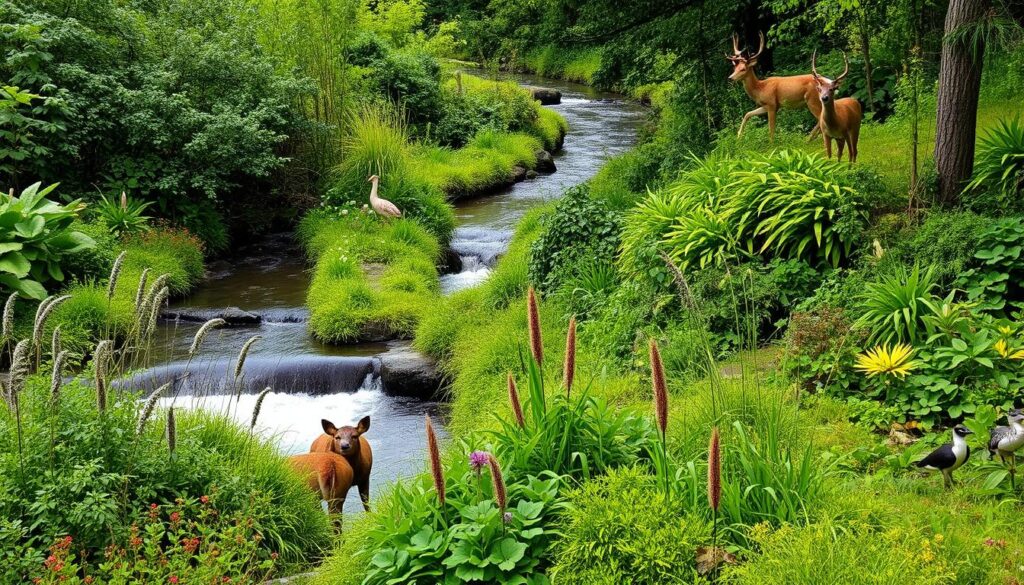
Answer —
382 206
1005 441
949 457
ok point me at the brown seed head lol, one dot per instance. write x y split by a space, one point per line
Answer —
533 318
660 389
498 482
714 471
434 454
569 369
513 398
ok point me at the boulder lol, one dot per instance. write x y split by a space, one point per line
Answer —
406 372
232 315
531 174
518 173
450 263
545 162
546 96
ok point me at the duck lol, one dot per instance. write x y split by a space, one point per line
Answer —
1006 440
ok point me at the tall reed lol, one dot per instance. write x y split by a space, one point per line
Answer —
147 409
436 471
533 320
172 433
46 308
8 320
513 398
240 365
660 394
569 367
714 484
115 273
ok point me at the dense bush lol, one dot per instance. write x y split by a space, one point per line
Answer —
998 180
180 107
995 275
946 241
582 231
624 529
472 104
72 469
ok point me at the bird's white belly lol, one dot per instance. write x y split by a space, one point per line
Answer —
960 452
1012 443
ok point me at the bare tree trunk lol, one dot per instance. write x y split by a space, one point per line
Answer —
865 49
959 87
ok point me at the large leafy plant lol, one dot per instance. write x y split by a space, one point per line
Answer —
34 234
994 280
999 167
894 307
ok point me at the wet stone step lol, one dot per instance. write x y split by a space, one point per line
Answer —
231 315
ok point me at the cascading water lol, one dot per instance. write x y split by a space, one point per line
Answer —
313 381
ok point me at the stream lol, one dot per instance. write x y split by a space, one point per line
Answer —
312 380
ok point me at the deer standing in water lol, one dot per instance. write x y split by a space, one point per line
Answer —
839 119
772 93
349 443
327 473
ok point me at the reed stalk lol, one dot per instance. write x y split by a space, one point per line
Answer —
256 409
513 398
46 308
436 471
240 365
569 367
115 273
498 483
660 393
147 409
172 433
714 486
533 320
99 363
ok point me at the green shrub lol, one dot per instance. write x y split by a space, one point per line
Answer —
998 179
170 251
946 241
823 553
894 307
580 231
123 217
92 263
36 235
994 278
69 469
788 204
624 529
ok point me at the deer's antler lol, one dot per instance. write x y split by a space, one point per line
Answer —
737 54
814 68
846 68
760 48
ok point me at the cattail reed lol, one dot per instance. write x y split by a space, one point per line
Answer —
243 354
434 454
197 341
57 377
8 321
714 484
99 366
115 272
660 390
498 482
257 407
569 368
172 432
513 398
533 319
147 408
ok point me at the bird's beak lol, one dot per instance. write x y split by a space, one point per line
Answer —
970 432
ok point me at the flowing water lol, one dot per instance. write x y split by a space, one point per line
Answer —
311 380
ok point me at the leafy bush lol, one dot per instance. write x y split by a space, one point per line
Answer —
36 236
946 241
894 307
71 469
789 205
409 78
998 176
499 106
820 346
998 267
624 529
581 230
416 540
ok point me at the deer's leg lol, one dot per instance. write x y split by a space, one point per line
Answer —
814 132
771 124
755 112
840 143
853 148
364 493
828 145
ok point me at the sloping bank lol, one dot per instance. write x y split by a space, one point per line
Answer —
374 278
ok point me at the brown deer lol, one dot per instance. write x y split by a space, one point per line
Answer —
350 443
327 473
839 119
772 93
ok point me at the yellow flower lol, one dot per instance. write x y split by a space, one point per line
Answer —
885 360
1004 350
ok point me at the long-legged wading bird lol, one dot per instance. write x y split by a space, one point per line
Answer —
949 457
1005 441
382 206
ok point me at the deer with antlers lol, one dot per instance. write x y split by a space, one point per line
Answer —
839 119
772 93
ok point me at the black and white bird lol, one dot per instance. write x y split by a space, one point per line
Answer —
949 457
1004 441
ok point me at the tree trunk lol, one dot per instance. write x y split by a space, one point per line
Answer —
959 86
865 48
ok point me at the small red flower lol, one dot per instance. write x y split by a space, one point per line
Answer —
175 516
88 579
204 499
152 506
274 555
172 579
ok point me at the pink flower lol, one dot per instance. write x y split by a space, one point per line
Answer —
172 579
204 499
